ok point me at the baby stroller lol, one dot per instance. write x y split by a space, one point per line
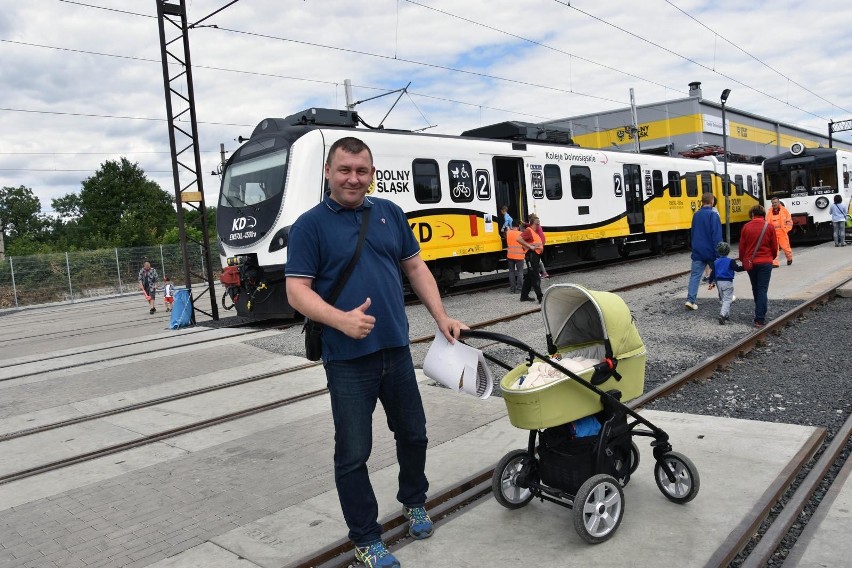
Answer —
596 364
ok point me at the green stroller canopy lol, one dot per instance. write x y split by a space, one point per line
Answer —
574 315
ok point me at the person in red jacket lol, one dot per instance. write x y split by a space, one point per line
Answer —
758 247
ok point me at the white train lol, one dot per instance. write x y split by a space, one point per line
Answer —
806 181
591 203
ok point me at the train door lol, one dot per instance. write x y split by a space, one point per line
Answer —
635 206
509 186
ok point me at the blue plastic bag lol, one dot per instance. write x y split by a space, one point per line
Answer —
587 426
182 309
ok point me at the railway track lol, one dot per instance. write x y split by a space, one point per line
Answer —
158 344
478 284
455 499
235 383
444 505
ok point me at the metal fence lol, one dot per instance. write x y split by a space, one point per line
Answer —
75 276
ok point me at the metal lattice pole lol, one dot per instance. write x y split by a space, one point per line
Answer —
192 194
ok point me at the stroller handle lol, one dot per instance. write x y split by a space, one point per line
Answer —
502 338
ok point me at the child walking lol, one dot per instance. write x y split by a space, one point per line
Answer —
722 277
168 293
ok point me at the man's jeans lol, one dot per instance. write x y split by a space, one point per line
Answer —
759 276
355 385
695 278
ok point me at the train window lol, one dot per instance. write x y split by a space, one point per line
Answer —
581 182
254 180
845 176
824 177
461 180
552 182
749 185
738 185
706 187
798 179
674 184
427 182
759 193
691 184
657 180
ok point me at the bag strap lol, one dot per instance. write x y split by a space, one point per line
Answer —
338 286
759 239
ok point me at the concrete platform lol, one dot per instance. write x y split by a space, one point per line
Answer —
654 531
825 541
259 491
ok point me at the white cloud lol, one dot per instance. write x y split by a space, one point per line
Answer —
384 44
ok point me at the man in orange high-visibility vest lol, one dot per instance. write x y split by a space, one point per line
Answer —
779 218
515 258
530 240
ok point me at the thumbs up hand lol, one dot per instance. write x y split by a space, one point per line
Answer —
357 323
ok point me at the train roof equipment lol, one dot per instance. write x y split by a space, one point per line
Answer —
312 117
523 132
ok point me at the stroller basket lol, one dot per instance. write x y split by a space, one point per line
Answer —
589 326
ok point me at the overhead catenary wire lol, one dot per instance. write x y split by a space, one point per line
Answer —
410 94
568 5
591 128
751 55
693 61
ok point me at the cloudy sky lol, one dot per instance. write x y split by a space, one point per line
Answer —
81 81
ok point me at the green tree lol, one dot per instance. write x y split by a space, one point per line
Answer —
20 214
172 236
192 218
117 207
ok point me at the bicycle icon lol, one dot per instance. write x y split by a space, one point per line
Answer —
461 191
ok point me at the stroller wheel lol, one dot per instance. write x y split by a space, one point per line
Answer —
504 481
598 508
685 486
634 456
630 467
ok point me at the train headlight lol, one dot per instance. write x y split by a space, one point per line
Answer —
821 202
237 260
280 240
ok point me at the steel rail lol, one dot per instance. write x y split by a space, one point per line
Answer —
117 357
147 403
474 488
145 440
763 551
741 534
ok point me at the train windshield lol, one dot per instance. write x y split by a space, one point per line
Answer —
805 175
254 180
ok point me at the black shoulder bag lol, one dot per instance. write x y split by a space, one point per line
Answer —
312 329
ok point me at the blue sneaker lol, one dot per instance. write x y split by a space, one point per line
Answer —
376 555
420 525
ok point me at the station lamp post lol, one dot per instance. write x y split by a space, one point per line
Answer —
726 187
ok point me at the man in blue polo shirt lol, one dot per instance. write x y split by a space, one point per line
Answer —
365 338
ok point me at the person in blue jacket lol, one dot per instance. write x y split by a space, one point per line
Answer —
706 232
722 277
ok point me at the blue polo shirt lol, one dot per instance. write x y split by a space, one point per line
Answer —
321 243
